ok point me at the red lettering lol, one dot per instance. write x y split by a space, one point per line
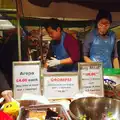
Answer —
21 80
88 74
91 74
69 79
61 79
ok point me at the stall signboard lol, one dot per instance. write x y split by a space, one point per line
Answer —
60 85
91 79
26 78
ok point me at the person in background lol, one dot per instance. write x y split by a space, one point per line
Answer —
100 43
64 52
5 90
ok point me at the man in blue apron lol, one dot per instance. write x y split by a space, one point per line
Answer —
65 52
100 43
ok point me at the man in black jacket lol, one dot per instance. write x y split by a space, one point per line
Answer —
5 90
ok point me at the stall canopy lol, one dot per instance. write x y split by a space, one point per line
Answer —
83 10
80 10
62 10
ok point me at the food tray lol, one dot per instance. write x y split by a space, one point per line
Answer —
23 115
27 103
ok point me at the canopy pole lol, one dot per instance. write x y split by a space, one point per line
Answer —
18 29
19 39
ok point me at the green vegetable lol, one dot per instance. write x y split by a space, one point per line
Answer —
112 119
109 114
83 117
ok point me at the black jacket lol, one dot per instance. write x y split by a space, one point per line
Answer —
3 83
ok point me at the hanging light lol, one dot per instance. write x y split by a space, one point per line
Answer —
5 24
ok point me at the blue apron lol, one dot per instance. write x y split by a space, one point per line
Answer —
60 53
101 50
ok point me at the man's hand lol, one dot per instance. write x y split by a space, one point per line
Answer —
7 95
53 62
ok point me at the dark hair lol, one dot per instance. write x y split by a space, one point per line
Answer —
103 14
53 23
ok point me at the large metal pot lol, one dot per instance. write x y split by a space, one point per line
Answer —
92 108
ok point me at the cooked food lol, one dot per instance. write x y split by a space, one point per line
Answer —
109 116
40 115
44 115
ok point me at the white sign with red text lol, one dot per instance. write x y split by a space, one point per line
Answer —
60 86
26 78
91 79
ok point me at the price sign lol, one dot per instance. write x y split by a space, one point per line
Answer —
60 85
91 78
26 78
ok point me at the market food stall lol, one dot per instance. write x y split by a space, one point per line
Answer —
32 83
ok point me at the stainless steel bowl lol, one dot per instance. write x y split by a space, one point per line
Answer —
95 109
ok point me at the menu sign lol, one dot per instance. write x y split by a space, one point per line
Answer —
26 78
60 85
91 78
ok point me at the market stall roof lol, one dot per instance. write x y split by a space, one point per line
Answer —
80 12
63 10
83 10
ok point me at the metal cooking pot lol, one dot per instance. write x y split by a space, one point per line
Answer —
92 108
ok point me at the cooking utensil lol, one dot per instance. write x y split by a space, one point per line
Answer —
95 109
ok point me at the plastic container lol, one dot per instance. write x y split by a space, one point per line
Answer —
111 71
112 83
23 115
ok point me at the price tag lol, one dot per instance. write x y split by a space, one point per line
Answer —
60 85
91 79
26 78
